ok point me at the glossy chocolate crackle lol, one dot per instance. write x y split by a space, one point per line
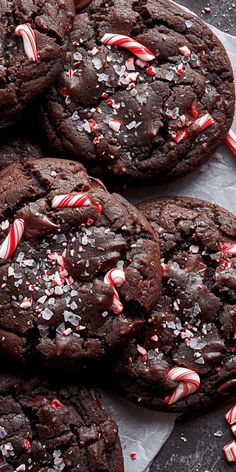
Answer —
79 267
32 51
48 427
151 104
185 358
81 4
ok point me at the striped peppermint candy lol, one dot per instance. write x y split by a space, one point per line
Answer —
228 247
115 277
189 382
231 415
126 42
78 200
230 451
231 141
29 41
203 122
12 240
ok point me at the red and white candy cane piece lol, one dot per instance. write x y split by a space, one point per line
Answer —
228 247
230 451
79 200
185 51
115 277
231 415
203 122
126 42
12 240
29 41
233 429
231 141
189 382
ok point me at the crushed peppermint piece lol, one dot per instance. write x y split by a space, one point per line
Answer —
115 125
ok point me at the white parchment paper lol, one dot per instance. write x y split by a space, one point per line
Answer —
141 430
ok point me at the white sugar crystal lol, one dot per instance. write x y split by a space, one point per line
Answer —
197 343
97 63
102 77
47 314
71 318
42 299
61 328
188 23
10 271
43 331
86 126
170 76
77 56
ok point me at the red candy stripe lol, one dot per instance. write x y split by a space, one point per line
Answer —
126 42
12 240
230 451
203 122
29 41
115 277
189 382
79 200
231 415
228 247
231 141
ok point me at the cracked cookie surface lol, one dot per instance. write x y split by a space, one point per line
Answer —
139 120
44 427
23 79
82 278
193 326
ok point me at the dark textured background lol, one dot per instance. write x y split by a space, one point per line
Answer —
199 450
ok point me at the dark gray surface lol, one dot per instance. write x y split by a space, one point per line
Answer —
201 451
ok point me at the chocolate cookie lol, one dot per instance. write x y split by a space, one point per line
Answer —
79 267
185 356
147 92
33 46
18 149
45 428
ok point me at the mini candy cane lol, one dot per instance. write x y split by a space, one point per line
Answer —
126 42
203 122
231 141
228 247
69 200
29 41
189 382
233 429
79 200
115 277
230 451
12 240
231 415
